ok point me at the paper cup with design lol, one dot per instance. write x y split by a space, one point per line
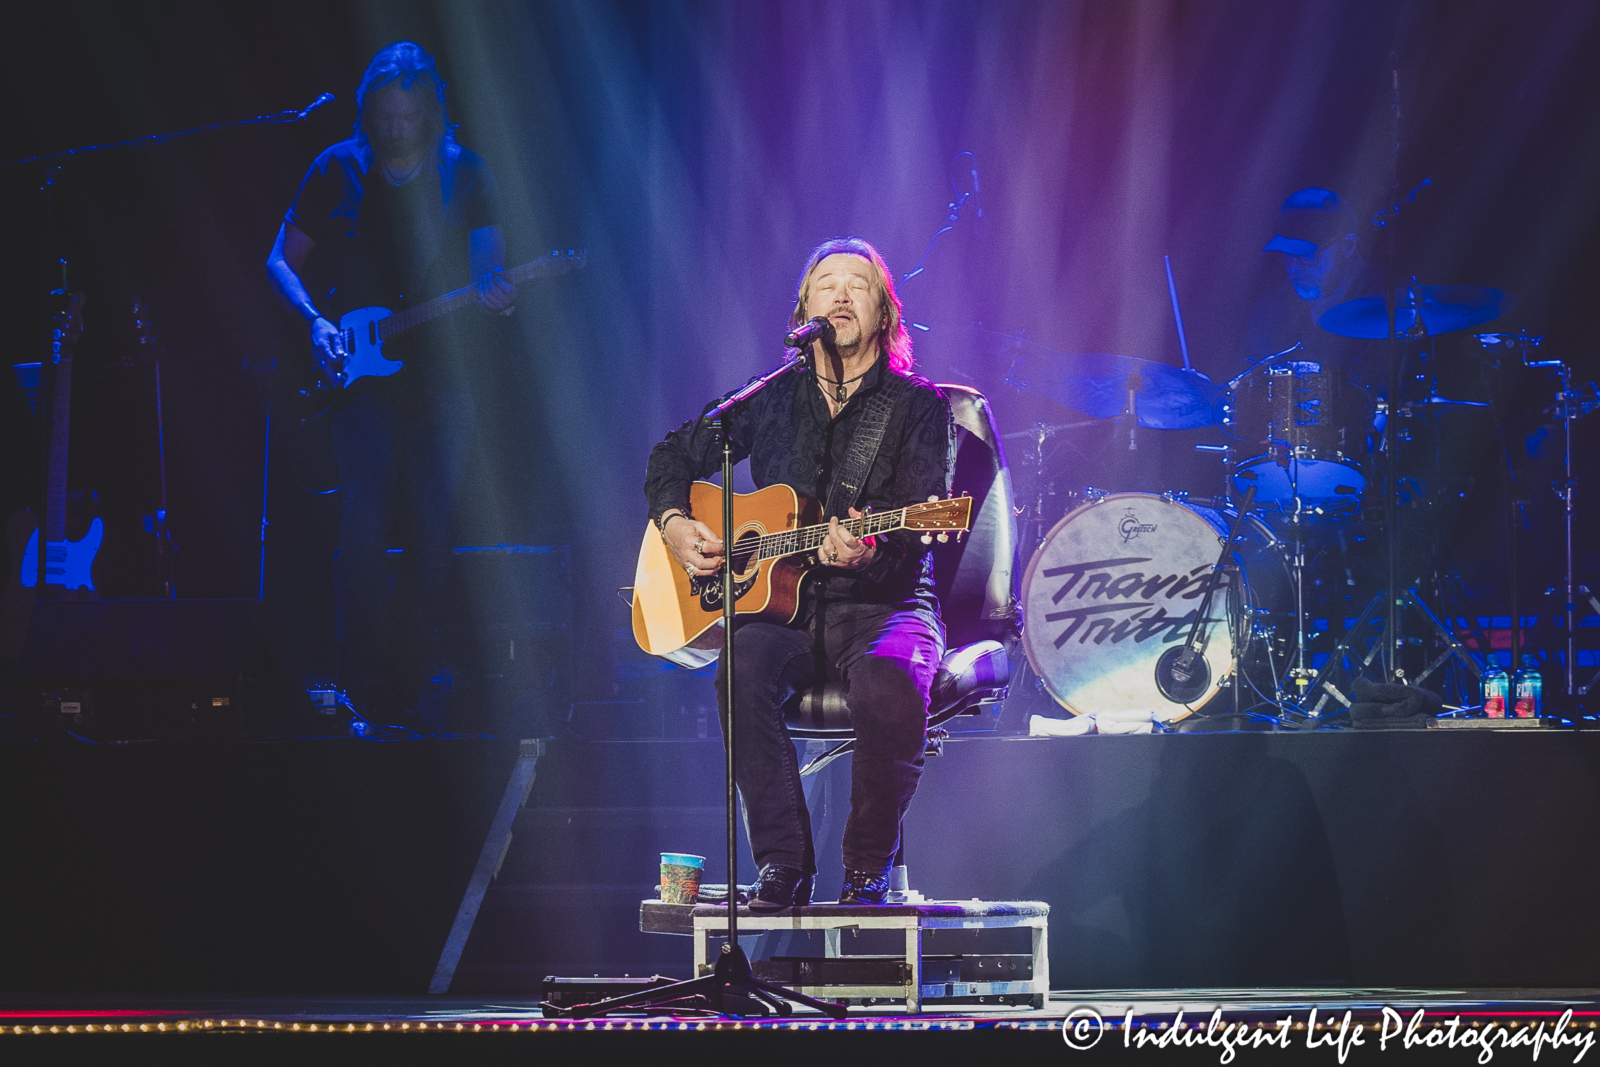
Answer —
680 877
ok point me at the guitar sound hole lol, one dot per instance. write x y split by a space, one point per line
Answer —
744 550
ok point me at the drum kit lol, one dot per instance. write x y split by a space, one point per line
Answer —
1121 578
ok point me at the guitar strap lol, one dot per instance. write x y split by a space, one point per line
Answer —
864 445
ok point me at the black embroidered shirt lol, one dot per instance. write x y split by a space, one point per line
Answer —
789 437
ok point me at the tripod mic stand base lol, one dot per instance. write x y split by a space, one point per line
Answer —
728 981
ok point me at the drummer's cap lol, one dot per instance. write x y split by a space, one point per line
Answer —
1309 219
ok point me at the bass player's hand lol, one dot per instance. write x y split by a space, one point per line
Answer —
495 294
697 550
327 344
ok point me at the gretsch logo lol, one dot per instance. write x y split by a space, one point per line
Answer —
1130 527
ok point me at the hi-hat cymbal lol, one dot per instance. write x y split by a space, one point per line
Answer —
1441 309
1097 383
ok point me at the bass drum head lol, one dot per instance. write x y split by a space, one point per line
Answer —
1115 584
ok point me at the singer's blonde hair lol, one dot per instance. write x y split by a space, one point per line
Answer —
893 337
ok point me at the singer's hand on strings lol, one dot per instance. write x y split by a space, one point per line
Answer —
843 549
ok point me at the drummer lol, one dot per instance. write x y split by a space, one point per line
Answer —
1316 240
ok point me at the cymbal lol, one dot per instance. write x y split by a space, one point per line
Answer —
1047 432
1442 309
1097 383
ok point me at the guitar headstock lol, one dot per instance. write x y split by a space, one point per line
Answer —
144 330
68 318
559 262
947 515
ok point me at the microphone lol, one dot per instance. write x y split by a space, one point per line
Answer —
325 98
802 337
1182 674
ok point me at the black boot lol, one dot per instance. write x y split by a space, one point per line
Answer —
780 887
864 887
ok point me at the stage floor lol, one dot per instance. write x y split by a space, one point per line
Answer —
1086 1012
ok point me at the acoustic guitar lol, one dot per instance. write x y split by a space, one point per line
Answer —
776 535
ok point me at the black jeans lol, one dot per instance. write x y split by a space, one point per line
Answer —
391 443
887 656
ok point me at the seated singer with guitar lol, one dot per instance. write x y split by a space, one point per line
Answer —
866 614
395 213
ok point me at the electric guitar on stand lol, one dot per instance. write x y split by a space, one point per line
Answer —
66 569
366 329
777 532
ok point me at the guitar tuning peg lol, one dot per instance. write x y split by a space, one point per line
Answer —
933 498
927 538
944 538
959 535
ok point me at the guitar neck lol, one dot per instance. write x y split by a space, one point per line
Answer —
55 497
456 299
807 538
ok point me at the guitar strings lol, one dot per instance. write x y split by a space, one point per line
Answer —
788 542
457 298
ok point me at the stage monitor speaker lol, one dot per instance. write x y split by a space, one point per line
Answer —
118 670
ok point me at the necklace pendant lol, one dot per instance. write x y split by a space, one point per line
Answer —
842 393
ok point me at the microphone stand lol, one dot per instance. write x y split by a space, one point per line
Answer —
731 974
1182 674
54 158
955 206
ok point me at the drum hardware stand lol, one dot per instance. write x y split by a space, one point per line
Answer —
1131 413
1299 674
1572 407
1450 585
1242 617
1267 633
1569 407
1393 639
1594 602
1370 619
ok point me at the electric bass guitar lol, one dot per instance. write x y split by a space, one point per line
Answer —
777 534
68 564
366 329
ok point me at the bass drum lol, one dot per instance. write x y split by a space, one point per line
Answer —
1117 583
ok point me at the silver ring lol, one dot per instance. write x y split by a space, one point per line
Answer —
688 568
700 546
833 557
